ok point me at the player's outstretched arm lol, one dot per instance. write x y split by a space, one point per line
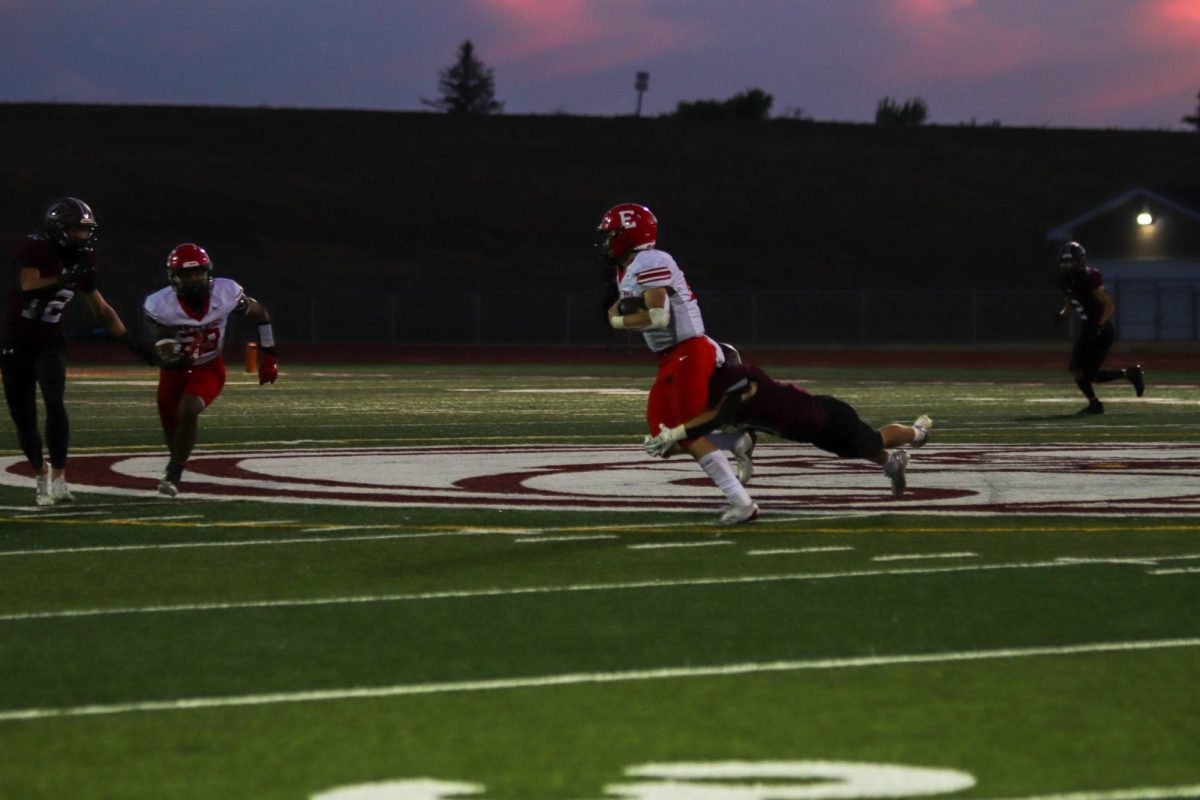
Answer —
268 365
705 422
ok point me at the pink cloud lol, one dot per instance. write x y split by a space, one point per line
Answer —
1176 21
1129 56
578 37
1163 35
960 39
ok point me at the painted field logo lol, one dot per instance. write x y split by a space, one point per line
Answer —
722 780
1113 479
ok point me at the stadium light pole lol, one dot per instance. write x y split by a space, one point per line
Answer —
642 83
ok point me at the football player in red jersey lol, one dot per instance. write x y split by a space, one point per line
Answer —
1083 292
49 270
656 300
745 397
190 317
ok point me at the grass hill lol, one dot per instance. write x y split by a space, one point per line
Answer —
377 202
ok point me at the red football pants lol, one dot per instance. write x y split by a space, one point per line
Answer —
204 381
680 390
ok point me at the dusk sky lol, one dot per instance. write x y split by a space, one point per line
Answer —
1057 63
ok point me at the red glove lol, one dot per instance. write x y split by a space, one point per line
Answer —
268 369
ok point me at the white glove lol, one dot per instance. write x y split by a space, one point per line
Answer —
660 446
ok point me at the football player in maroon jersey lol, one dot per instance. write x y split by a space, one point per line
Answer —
50 269
745 397
1083 292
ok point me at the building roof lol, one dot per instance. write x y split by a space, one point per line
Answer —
1184 199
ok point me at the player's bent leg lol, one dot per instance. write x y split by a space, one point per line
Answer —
741 443
41 494
893 468
922 425
899 435
743 455
715 464
59 491
1137 376
182 442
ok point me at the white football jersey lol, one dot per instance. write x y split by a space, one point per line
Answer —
653 268
201 337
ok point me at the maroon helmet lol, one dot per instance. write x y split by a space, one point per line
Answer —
65 215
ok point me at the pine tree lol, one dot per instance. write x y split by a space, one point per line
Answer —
467 87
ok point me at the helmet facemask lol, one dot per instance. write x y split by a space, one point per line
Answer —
604 247
191 290
66 216
1072 257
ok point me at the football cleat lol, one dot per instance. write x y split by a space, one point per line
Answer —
168 488
1094 407
743 450
60 492
1137 377
923 424
894 468
735 515
42 495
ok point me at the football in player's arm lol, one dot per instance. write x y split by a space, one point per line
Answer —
189 318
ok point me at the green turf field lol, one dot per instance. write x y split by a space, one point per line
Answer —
370 639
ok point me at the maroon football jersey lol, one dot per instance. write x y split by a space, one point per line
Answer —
1078 285
37 316
779 408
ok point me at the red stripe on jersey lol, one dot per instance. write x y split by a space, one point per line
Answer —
654 275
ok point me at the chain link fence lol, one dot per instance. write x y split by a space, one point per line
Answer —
747 318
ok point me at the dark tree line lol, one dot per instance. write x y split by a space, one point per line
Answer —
469 87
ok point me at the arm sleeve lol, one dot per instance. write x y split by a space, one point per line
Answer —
726 410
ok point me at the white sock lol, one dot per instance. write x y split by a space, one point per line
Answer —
724 440
919 438
717 467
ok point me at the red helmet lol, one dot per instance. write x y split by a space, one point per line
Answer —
626 227
188 257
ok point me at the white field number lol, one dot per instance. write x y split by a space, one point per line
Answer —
722 780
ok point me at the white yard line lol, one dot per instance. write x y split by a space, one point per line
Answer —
266 542
797 550
1138 793
164 518
31 514
918 556
540 539
665 545
581 678
526 590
